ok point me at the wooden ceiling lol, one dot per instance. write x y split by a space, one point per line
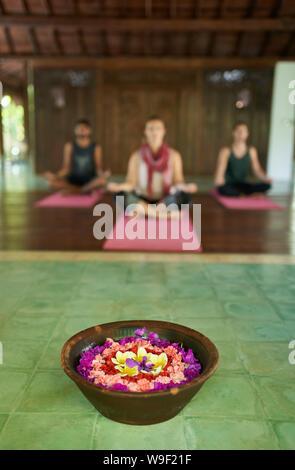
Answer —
144 28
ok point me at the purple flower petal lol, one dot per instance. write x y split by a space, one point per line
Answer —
188 357
140 332
131 363
128 339
160 386
121 387
192 371
153 337
176 346
144 366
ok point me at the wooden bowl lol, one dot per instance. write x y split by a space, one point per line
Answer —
139 407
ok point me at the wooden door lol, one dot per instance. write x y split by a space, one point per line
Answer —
128 105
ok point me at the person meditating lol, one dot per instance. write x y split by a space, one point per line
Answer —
155 174
82 167
233 166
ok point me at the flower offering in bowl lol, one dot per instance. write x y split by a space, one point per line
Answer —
139 372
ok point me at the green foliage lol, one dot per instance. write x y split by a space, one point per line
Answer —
13 126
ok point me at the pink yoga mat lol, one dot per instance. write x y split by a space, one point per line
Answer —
246 203
146 226
71 200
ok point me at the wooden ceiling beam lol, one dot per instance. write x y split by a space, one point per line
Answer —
237 47
221 8
285 51
82 42
148 7
211 44
26 7
151 62
34 41
173 8
276 8
9 40
264 43
197 8
251 9
57 41
48 7
148 24
76 7
123 8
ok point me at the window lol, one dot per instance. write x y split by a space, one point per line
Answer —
13 129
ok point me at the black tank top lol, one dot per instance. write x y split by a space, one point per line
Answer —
237 168
82 164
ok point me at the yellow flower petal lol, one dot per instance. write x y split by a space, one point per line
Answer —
121 357
159 362
130 371
141 352
153 358
162 359
156 370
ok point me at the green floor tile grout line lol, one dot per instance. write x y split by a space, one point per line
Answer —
247 312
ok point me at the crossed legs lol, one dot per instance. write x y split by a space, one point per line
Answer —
158 208
66 186
235 190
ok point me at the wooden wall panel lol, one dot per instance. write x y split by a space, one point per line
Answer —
187 130
220 111
165 103
53 124
198 106
110 131
131 114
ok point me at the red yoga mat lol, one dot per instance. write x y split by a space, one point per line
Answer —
246 203
187 240
70 200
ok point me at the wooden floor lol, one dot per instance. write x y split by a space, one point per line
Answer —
23 227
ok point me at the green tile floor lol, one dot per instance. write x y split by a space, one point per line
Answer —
247 310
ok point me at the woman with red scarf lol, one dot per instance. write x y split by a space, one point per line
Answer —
155 172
